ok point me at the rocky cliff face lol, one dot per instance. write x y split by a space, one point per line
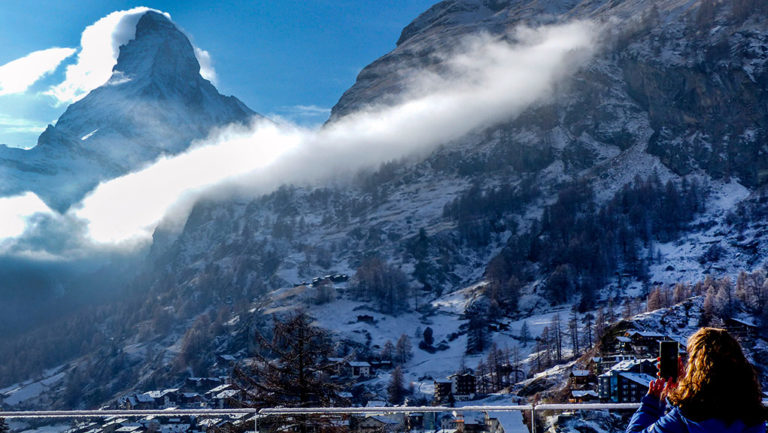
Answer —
155 103
694 70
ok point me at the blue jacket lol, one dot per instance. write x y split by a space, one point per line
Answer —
650 418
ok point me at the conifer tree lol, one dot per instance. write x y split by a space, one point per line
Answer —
403 349
292 369
396 387
525 333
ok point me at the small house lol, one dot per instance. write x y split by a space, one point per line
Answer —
360 368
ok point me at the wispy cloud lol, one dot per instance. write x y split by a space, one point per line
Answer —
19 75
100 45
301 114
485 80
206 65
9 124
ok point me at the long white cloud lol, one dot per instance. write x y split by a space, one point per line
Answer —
486 81
19 75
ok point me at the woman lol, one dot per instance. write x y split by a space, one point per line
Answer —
717 392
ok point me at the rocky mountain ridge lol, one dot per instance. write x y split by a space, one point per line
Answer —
155 103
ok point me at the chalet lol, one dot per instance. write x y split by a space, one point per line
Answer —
583 396
137 402
579 378
605 363
741 329
360 368
645 366
645 342
165 398
623 387
623 344
191 399
376 424
224 399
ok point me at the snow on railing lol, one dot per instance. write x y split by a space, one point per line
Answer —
259 413
311 410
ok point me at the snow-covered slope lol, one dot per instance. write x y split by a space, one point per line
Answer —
155 103
673 95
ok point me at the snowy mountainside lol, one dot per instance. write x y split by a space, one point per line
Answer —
155 103
667 104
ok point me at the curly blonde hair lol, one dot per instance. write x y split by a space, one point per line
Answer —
719 382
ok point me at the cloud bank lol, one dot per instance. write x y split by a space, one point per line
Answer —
15 213
485 80
19 75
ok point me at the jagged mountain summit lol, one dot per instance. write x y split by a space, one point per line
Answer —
156 102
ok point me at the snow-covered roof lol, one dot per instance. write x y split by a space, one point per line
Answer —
376 403
639 378
359 364
580 373
144 398
227 394
220 388
628 364
623 339
646 334
744 322
579 393
386 419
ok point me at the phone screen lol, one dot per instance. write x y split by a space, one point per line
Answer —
668 351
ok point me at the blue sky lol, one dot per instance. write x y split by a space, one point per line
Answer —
275 55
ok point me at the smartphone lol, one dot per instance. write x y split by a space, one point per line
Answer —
668 352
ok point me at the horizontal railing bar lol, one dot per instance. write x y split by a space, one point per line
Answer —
383 410
586 406
310 410
125 413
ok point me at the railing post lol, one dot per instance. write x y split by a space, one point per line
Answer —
533 417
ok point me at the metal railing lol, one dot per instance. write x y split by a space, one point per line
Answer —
264 412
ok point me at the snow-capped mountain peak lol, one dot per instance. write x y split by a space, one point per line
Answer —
156 102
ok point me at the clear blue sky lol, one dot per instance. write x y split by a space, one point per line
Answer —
272 54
